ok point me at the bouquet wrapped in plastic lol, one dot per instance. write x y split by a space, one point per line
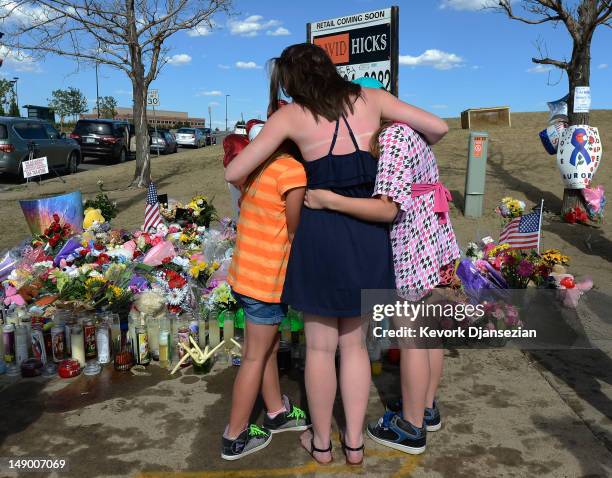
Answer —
595 201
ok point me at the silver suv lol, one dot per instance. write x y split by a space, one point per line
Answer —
19 135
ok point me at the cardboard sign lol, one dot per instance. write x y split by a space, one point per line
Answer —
579 155
35 167
361 45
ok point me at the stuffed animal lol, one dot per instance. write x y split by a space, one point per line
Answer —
92 216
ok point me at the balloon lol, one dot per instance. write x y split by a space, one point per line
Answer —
579 155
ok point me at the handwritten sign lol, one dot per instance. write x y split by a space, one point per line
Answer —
35 167
582 99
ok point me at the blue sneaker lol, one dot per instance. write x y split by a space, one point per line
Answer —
393 431
433 421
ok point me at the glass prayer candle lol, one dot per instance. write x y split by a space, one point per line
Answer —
214 334
77 343
153 333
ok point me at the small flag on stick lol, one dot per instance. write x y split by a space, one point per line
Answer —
523 232
152 215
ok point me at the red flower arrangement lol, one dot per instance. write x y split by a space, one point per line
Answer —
54 235
576 215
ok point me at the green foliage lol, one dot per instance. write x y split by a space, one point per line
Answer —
14 109
108 107
67 102
102 202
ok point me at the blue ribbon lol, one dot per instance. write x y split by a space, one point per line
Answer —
579 147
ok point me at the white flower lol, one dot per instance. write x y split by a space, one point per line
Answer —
181 261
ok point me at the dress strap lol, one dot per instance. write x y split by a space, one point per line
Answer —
348 126
333 143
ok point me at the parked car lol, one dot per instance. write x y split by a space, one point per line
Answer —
103 138
163 141
19 135
190 137
240 128
210 137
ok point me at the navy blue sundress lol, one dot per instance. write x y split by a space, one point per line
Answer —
334 256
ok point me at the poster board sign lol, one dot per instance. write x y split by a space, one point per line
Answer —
582 99
363 44
35 167
38 213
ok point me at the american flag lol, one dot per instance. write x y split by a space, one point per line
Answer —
523 232
152 216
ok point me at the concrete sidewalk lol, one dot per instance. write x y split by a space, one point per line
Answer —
501 418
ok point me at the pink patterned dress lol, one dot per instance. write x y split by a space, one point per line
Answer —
423 240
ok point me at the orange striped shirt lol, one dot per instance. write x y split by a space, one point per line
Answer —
262 247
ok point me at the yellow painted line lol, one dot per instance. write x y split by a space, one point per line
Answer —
409 462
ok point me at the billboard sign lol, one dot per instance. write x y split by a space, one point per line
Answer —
364 44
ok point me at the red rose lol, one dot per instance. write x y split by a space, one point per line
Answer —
570 216
99 247
166 260
103 259
568 282
84 252
56 217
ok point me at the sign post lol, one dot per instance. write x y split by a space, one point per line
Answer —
153 101
364 44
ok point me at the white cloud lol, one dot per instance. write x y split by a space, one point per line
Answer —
224 67
19 60
539 69
200 31
440 60
213 103
251 26
602 66
467 4
179 59
210 93
247 65
280 31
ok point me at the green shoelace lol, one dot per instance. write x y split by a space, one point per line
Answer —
297 413
255 431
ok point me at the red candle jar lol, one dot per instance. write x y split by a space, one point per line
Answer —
69 368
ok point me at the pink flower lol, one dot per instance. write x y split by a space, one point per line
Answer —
525 268
490 326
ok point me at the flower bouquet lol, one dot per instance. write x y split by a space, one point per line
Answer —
509 208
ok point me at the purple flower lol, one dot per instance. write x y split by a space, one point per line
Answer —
138 283
525 268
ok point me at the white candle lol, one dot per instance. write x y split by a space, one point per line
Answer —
214 334
77 344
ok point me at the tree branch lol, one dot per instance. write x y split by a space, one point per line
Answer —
549 61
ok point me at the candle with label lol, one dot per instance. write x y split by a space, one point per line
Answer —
214 334
77 344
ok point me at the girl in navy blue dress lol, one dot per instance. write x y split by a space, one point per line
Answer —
333 256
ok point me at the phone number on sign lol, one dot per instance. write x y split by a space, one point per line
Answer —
384 76
33 464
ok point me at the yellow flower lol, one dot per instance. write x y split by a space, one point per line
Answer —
497 249
115 291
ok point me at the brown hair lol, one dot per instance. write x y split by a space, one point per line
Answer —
305 73
374 142
287 148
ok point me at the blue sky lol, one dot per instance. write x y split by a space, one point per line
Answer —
453 57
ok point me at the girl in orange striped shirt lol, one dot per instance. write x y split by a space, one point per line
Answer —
269 214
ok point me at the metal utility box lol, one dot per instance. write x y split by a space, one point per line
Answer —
475 177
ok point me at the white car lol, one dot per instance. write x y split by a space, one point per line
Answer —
192 137
240 129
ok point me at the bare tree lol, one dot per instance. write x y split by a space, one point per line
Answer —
129 35
580 19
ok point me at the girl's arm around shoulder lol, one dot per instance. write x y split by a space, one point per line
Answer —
293 207
380 209
274 132
391 108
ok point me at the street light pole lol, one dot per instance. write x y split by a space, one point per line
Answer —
210 117
16 95
97 93
226 97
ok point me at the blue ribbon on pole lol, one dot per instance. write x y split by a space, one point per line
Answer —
579 140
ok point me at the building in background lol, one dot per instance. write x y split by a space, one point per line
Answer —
161 118
40 112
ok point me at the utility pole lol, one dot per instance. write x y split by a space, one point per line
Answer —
97 92
210 117
226 97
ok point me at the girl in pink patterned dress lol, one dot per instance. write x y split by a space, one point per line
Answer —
410 195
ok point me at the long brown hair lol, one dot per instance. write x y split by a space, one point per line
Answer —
374 142
305 73
287 148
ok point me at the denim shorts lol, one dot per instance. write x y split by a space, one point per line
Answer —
261 313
